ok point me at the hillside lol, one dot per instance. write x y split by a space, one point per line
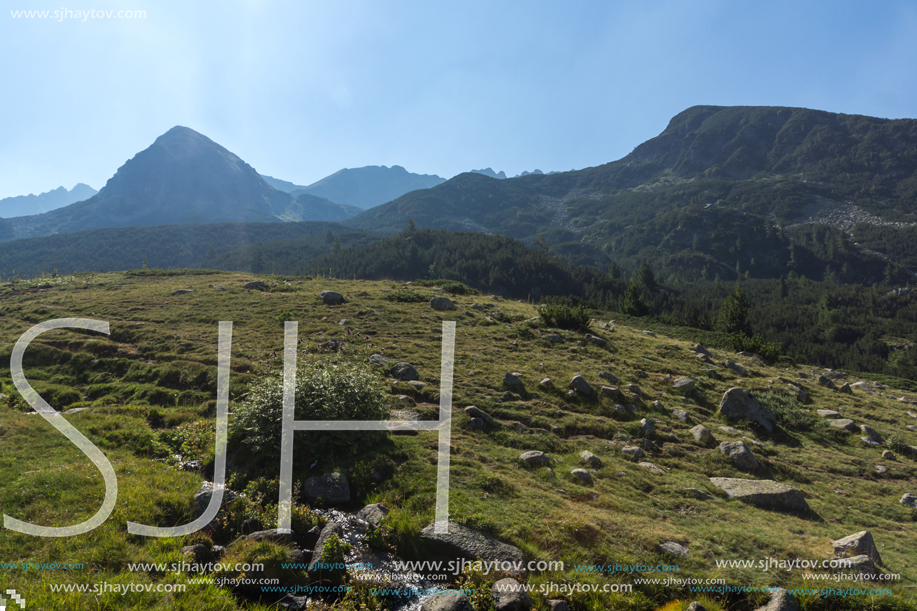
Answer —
146 393
183 177
22 205
369 186
775 166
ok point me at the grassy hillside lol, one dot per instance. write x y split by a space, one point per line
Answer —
150 387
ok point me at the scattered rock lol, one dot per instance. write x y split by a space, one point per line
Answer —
557 605
844 424
610 391
509 595
738 369
255 285
846 389
580 385
447 601
702 435
862 564
632 452
888 455
605 375
763 493
730 430
909 500
828 413
881 470
651 467
535 458
857 544
672 547
738 403
598 341
582 475
442 303
827 383
683 385
800 395
739 454
373 514
331 298
647 428
474 412
547 384
513 381
680 415
781 600
649 333
205 492
404 372
272 534
469 543
699 349
182 291
378 359
199 552
554 338
871 433
695 606
332 488
591 459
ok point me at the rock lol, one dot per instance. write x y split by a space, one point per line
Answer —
447 601
781 600
620 411
332 488
738 369
738 403
610 391
182 291
647 428
255 285
477 424
698 349
862 564
739 454
272 534
205 492
406 400
871 433
547 384
373 514
331 528
404 372
844 424
331 298
582 475
442 304
554 338
695 606
509 595
474 412
649 333
856 544
591 459
683 385
834 375
534 458
730 430
880 470
378 359
801 395
418 384
513 381
632 452
595 339
702 435
888 455
465 542
828 413
199 552
680 415
909 500
251 525
764 493
580 385
827 383
605 375
672 547
651 467
846 389
557 605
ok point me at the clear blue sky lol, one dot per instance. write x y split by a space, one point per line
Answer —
302 89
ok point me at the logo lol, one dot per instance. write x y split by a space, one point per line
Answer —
16 599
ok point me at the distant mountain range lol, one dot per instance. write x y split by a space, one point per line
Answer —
183 177
22 205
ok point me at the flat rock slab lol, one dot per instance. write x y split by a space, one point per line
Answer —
856 545
447 601
738 403
672 547
764 493
651 467
469 543
828 413
845 424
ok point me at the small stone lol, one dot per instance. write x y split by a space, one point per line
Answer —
474 412
442 304
739 454
844 424
513 381
632 452
580 385
674 548
647 428
827 383
683 385
881 470
652 467
738 369
680 415
871 433
888 455
702 435
591 459
535 458
546 384
828 413
582 475
605 375
509 595
557 605
846 389
909 500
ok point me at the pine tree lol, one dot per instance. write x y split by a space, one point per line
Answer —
614 272
733 317
646 278
632 303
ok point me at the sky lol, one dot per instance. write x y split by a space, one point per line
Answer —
302 89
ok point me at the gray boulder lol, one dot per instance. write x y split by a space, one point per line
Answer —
739 454
580 385
464 542
513 381
613 393
857 544
442 304
509 595
474 412
671 547
332 488
373 514
331 298
647 428
738 403
828 413
404 372
632 452
582 475
683 385
447 601
591 459
738 369
254 285
862 564
871 433
534 458
605 375
547 384
845 424
680 415
781 600
331 528
763 493
909 500
702 435
845 388
826 382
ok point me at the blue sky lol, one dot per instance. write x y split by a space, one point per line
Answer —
302 89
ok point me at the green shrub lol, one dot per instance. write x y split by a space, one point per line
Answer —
756 344
406 297
787 410
334 550
564 317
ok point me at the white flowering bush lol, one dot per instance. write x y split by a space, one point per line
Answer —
324 391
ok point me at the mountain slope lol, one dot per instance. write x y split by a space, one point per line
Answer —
183 177
22 205
778 166
370 186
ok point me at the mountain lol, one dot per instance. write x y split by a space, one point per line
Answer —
369 186
183 177
763 168
489 172
281 185
22 205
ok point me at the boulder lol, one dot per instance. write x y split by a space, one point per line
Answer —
255 285
632 452
826 382
845 388
909 500
205 492
557 605
271 534
699 349
332 488
613 393
331 528
845 424
683 385
739 454
605 375
513 381
547 384
447 601
738 403
651 467
888 455
674 548
738 369
857 544
373 514
871 433
331 298
474 412
764 493
591 459
781 600
862 564
509 595
595 339
404 372
442 304
464 542
828 413
680 415
580 385
535 458
702 435
582 475
647 428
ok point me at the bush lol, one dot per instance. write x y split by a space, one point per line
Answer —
341 391
756 344
564 317
790 416
406 297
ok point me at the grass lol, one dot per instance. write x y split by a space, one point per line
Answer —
150 387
